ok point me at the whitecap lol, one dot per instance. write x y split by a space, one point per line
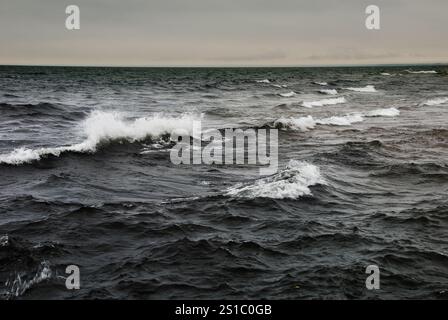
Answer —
329 91
321 103
290 183
422 72
19 286
308 122
288 94
368 88
101 127
436 101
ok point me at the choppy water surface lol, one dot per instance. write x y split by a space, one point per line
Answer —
86 179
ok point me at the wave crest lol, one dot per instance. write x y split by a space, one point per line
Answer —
103 127
368 88
324 102
307 123
436 101
291 183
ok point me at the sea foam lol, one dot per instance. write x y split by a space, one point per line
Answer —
288 94
290 183
329 91
324 102
436 101
307 123
102 127
422 72
368 88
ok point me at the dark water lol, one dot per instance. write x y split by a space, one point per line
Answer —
86 179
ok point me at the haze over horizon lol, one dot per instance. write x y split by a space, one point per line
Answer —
222 33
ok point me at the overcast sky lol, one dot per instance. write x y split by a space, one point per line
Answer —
222 32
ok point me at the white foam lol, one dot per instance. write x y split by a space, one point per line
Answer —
280 85
389 112
4 241
264 81
385 74
288 94
291 183
436 102
102 127
342 120
302 124
321 83
329 91
422 72
19 286
308 123
325 102
368 88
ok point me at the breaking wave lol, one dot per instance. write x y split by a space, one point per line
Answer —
436 102
288 94
422 72
291 183
21 283
329 91
307 123
368 88
325 102
102 127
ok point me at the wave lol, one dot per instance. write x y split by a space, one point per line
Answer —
329 91
385 74
42 109
325 102
264 81
422 72
19 285
436 101
280 85
321 83
288 94
291 183
307 123
368 88
102 127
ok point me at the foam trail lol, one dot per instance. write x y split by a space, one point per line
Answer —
288 94
368 88
329 91
291 183
436 102
422 72
307 123
389 112
102 127
325 102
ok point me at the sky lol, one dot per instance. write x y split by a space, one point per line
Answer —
223 32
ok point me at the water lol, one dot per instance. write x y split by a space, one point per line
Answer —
86 179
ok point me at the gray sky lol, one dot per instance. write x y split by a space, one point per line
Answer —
222 32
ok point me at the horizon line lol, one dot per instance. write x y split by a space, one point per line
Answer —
231 66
